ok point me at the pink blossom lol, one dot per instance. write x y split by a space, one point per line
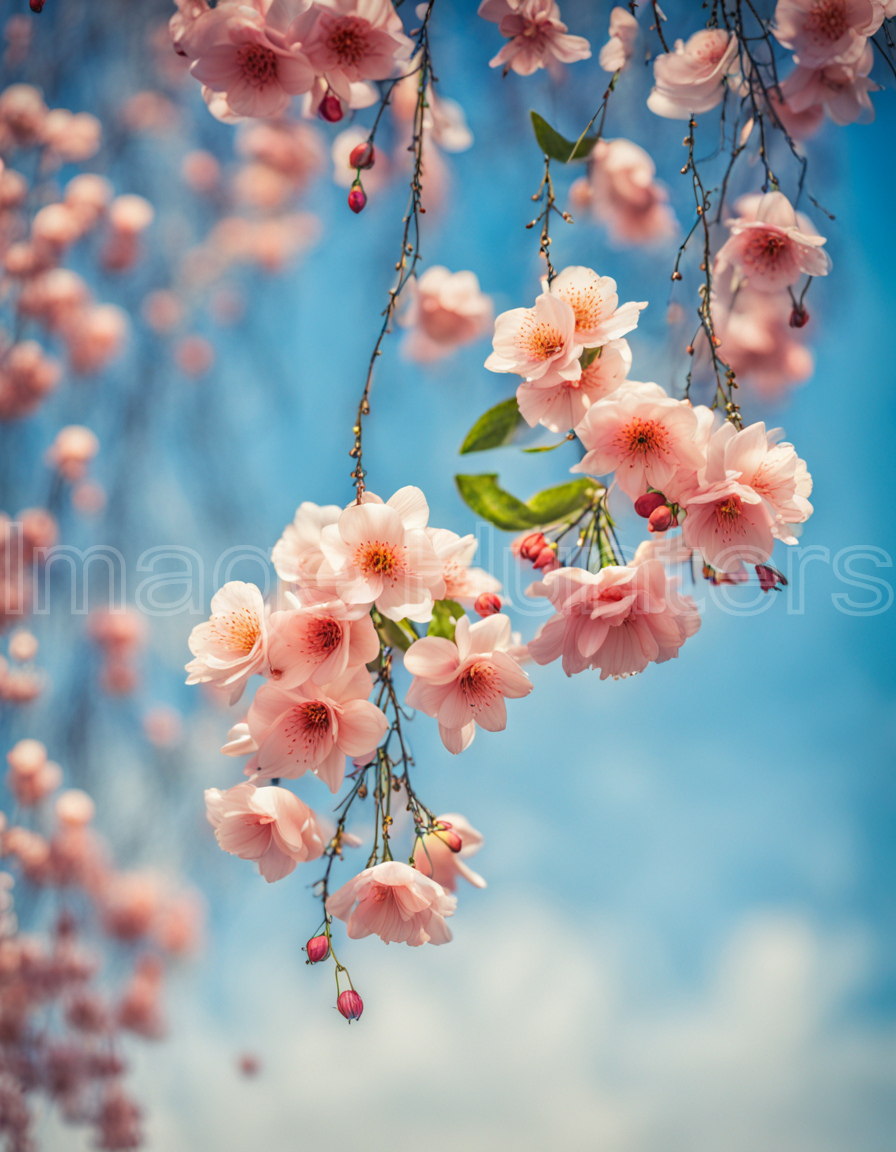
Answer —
621 191
242 61
434 858
297 555
464 682
350 42
618 620
595 305
72 450
448 310
462 583
538 341
269 825
818 31
840 87
562 405
758 342
774 247
379 554
395 902
692 78
750 492
231 646
537 36
642 435
319 642
308 728
618 50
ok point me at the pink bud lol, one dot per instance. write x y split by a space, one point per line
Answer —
547 560
350 1004
659 519
531 546
449 837
648 503
317 948
330 109
37 5
487 604
357 198
799 317
362 155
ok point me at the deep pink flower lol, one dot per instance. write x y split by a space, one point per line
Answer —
395 902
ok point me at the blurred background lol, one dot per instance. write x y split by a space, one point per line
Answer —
687 939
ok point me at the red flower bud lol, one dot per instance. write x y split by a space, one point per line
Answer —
659 519
357 198
447 834
770 579
362 155
487 604
317 948
547 560
799 317
330 109
37 5
648 503
532 545
350 1004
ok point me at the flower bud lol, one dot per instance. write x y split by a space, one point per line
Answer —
547 560
449 837
362 155
317 948
532 545
330 109
357 198
37 5
799 317
659 519
645 505
487 604
350 1004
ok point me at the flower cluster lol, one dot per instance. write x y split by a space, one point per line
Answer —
63 1016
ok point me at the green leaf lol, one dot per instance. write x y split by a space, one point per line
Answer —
565 500
395 635
557 147
445 615
546 447
484 495
493 428
589 356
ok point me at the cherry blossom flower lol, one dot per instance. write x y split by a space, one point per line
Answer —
618 50
562 405
642 435
764 351
231 646
462 583
269 825
618 620
841 87
621 191
319 642
448 309
595 305
692 78
238 59
350 42
818 31
537 342
772 245
309 728
463 682
434 858
537 36
297 555
379 554
750 492
395 902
